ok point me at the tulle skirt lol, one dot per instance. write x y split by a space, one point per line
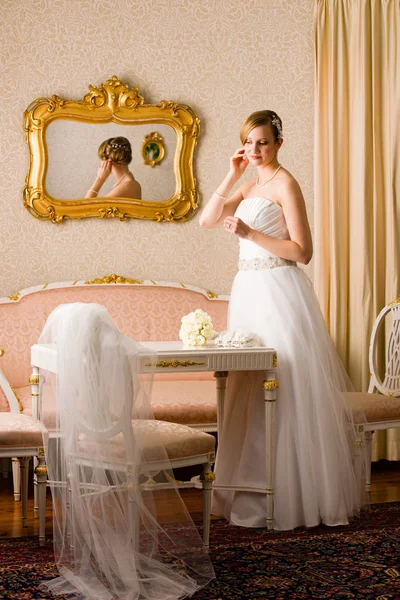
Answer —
316 478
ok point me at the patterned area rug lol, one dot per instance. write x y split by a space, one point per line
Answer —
361 562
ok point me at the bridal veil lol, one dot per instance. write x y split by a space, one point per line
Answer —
116 536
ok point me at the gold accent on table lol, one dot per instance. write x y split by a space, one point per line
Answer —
220 373
175 363
2 352
35 395
110 102
45 286
358 444
397 301
274 361
113 278
41 470
153 149
41 452
207 477
271 384
34 379
211 295
15 297
21 408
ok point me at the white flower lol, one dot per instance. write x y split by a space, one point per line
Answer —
196 328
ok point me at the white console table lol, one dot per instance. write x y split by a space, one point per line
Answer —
173 357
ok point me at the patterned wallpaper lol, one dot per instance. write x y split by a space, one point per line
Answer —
222 57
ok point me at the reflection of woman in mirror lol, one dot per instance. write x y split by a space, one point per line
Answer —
116 154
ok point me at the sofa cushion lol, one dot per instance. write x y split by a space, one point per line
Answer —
185 402
174 401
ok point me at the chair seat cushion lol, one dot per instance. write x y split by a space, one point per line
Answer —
376 407
179 441
17 430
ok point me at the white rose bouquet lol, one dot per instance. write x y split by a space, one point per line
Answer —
196 328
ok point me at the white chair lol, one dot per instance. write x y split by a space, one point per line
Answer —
108 460
381 404
183 447
21 437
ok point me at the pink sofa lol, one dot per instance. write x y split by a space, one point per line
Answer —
143 310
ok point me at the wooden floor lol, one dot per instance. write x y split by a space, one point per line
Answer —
385 488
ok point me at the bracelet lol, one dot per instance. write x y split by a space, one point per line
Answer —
93 192
220 195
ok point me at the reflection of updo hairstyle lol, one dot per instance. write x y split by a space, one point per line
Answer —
117 149
262 117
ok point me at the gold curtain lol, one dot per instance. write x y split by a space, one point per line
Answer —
357 176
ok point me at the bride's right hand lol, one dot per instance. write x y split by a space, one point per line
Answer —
104 170
239 162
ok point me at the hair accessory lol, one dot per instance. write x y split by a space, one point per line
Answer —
276 122
93 191
115 145
220 195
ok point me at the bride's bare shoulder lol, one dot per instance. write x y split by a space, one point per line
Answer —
288 190
287 180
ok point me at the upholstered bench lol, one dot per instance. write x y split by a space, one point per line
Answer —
144 310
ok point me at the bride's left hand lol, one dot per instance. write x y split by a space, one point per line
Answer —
237 227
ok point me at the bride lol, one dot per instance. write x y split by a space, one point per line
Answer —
115 155
315 479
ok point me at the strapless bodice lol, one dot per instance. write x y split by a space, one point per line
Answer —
265 216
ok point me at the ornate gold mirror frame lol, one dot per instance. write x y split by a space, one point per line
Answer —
112 102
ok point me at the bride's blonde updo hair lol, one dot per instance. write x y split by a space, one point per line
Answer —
262 117
117 149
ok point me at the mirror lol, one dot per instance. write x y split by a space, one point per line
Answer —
63 138
73 160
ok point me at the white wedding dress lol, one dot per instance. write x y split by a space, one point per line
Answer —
315 480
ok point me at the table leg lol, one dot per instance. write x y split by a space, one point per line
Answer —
41 480
36 412
270 385
220 379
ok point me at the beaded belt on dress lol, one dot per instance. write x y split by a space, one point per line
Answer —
257 264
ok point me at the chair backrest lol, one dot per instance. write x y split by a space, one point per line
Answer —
387 325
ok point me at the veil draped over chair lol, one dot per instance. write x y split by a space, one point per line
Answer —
111 538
